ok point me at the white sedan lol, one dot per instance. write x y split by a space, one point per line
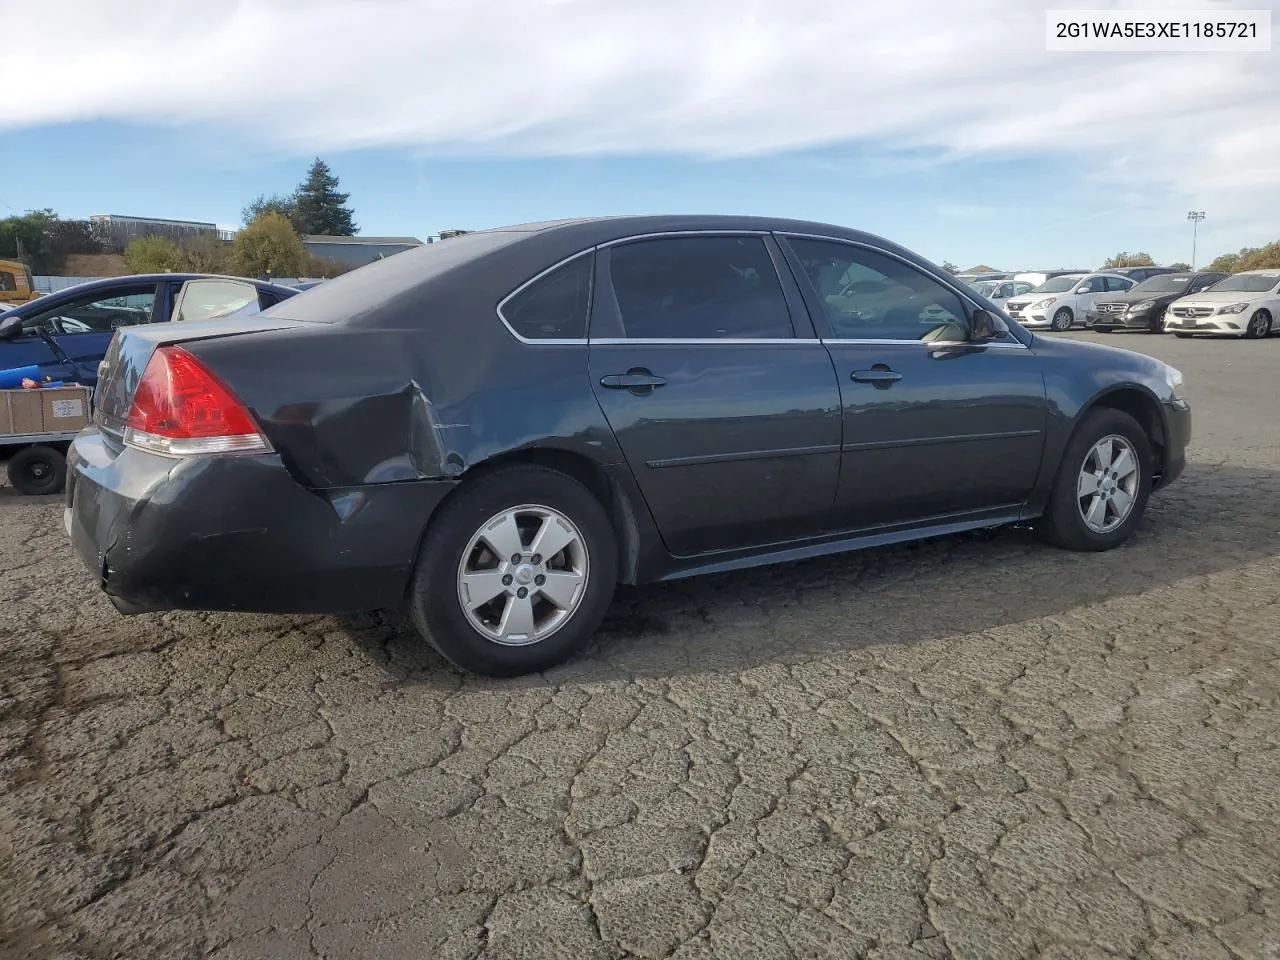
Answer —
999 291
1243 305
1067 299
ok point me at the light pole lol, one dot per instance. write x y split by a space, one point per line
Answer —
1195 216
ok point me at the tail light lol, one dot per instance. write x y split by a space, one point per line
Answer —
181 409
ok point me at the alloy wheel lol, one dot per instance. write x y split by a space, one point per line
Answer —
1259 324
523 574
1108 484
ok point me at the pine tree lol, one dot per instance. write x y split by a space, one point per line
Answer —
318 207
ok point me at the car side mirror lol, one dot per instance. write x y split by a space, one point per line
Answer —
10 327
982 327
1082 289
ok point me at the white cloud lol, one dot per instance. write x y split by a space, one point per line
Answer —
705 77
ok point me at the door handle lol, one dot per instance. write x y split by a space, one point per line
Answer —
632 380
878 374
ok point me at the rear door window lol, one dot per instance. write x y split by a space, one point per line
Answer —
699 288
209 299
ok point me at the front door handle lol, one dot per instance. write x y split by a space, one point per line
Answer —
877 374
638 379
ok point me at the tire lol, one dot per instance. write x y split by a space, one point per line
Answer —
454 543
1259 326
1181 336
1063 523
1103 329
1062 319
38 471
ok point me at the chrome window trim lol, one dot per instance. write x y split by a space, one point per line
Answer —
1012 344
701 341
949 284
664 234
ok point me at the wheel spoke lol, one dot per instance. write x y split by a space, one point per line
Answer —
1124 464
503 537
517 618
561 588
1087 486
1097 515
1120 500
1102 454
482 586
551 538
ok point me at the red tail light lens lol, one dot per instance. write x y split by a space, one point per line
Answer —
181 409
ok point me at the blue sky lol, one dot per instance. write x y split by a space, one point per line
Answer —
955 140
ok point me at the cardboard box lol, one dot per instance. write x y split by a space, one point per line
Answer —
35 412
64 408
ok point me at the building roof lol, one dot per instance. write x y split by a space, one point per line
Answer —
362 241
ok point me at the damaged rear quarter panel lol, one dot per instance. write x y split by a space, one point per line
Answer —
347 406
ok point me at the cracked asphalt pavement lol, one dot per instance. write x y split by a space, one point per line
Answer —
971 748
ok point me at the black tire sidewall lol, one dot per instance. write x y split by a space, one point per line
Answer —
433 601
21 460
1062 523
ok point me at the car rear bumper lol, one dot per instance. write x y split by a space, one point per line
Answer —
238 533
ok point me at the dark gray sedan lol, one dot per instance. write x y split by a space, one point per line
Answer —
495 430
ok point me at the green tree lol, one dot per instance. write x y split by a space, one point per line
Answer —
319 208
950 267
1179 266
1126 259
1262 258
276 203
151 254
1228 262
270 246
205 254
26 238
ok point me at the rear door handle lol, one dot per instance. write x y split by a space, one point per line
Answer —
876 375
632 380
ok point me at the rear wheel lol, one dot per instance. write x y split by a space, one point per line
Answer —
38 471
1259 325
1062 320
515 573
1103 483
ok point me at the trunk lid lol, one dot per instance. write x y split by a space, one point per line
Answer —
130 350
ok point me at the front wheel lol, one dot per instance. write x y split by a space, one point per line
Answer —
1102 486
516 572
1259 325
1062 320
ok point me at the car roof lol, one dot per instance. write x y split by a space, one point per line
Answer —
99 283
471 267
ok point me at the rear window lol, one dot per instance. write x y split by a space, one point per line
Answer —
354 293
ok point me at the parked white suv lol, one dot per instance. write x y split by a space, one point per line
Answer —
1243 305
1063 301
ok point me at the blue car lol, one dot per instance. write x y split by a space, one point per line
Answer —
66 334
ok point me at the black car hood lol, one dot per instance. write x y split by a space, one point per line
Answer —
1129 296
